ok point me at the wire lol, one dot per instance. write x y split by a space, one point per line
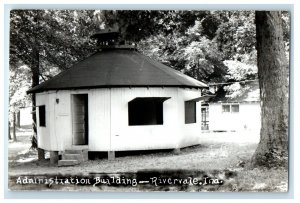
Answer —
226 83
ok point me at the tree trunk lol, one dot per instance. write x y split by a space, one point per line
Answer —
14 127
18 119
35 81
273 75
35 69
9 136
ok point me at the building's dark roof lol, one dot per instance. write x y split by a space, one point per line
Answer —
237 92
117 68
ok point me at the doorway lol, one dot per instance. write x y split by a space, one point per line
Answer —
80 121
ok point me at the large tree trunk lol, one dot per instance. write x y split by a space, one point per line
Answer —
273 75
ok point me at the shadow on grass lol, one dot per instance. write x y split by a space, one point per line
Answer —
157 153
225 155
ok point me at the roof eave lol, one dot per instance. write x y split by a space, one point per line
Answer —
38 90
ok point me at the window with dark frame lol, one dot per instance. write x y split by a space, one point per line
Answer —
225 108
190 111
235 108
146 111
42 116
230 108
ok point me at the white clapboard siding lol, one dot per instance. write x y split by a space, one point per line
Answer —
99 120
108 120
25 116
125 137
190 133
248 117
46 135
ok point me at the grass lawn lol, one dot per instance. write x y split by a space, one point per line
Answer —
219 156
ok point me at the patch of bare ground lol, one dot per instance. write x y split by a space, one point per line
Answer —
220 155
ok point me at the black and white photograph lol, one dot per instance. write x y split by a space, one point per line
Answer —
149 100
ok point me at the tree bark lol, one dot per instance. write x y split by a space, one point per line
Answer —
35 81
14 127
18 119
273 75
9 136
35 69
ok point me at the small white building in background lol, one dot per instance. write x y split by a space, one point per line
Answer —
25 116
118 100
235 107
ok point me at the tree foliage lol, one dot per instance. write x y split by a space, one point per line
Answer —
17 91
211 46
194 42
201 49
43 43
198 43
46 41
60 36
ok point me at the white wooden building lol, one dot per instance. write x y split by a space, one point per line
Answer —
118 100
236 108
25 116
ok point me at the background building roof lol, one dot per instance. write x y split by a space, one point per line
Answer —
117 68
237 92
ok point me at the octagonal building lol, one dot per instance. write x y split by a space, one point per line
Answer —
117 100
